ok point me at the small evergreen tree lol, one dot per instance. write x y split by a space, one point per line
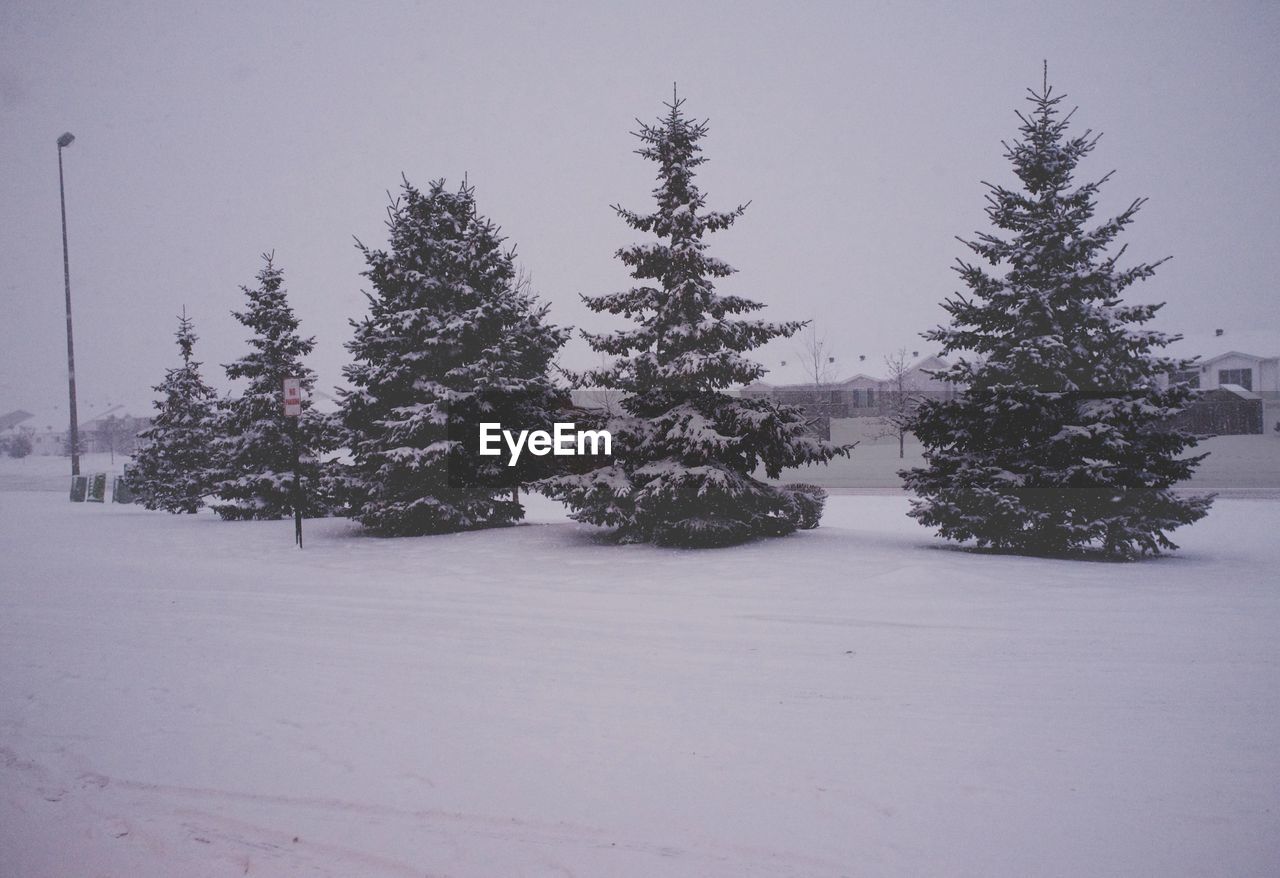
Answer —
1058 441
18 445
257 444
453 337
171 469
685 451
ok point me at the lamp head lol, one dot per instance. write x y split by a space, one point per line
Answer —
65 139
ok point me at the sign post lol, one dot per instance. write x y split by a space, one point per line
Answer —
293 411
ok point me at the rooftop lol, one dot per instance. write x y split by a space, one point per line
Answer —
1207 344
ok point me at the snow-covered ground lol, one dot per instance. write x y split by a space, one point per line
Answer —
181 696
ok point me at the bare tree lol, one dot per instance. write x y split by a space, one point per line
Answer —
815 356
898 399
116 433
820 368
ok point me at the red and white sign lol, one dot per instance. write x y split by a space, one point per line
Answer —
292 397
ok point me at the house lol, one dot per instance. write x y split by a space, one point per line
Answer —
115 430
1245 364
862 394
105 428
1248 359
12 419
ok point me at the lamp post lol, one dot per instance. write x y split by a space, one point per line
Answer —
64 141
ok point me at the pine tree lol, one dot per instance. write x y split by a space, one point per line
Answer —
171 469
453 337
1058 441
685 451
256 447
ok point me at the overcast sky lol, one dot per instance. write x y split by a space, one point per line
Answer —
859 131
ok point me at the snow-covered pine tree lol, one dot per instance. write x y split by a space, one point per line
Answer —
1058 441
685 451
171 469
452 338
256 445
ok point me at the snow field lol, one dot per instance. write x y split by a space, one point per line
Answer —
185 696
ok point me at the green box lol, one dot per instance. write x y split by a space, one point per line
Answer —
79 486
97 492
120 490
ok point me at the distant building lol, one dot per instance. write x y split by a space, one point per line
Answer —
115 431
12 419
1238 374
1248 359
860 395
103 429
1236 371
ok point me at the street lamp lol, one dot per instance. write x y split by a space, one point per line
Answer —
64 141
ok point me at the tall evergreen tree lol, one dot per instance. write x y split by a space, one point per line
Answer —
1058 441
256 447
452 338
685 450
171 469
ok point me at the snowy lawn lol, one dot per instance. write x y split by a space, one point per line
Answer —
185 697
